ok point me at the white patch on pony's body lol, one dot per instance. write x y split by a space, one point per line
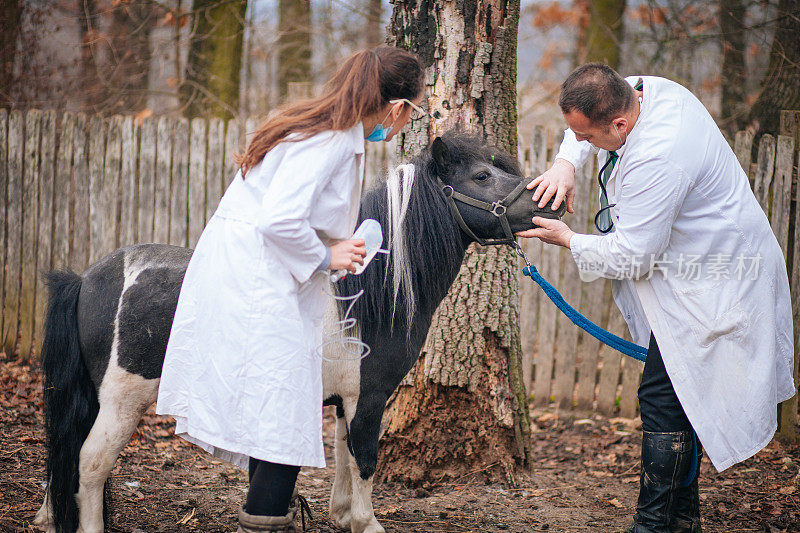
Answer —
123 398
341 365
399 184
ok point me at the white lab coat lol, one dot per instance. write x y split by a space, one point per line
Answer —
242 374
683 200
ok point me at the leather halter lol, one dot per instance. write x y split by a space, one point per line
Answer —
498 209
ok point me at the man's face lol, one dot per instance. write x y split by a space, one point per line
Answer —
605 137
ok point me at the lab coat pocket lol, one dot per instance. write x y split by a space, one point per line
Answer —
710 317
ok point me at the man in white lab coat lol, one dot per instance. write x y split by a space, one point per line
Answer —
698 276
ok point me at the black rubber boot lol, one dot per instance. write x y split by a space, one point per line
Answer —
666 459
686 510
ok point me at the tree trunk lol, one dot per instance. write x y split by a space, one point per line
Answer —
10 16
294 44
732 40
603 33
92 87
376 33
780 88
211 84
129 69
463 408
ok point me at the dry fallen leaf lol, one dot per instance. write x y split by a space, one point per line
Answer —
787 490
614 502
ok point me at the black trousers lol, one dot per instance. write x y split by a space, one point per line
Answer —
271 487
661 411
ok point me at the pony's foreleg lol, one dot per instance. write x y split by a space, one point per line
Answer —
342 486
364 434
122 404
362 515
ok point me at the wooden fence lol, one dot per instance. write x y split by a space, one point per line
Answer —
73 188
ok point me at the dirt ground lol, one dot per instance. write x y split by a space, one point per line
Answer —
585 479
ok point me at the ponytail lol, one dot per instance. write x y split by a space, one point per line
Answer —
361 87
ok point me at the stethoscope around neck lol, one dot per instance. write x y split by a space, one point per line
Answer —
603 188
605 194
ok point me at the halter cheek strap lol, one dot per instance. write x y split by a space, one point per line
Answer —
498 209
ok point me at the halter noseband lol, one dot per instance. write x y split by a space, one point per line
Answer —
498 209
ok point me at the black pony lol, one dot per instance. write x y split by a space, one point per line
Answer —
106 330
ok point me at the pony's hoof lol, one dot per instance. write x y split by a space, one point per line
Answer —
342 520
43 518
373 526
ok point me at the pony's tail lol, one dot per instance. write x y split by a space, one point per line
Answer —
70 398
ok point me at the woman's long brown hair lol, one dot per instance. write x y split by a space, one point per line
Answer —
362 86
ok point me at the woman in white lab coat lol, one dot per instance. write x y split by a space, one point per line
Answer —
698 275
242 373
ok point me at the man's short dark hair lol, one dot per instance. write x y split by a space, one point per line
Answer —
598 92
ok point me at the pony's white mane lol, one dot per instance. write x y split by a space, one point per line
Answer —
398 191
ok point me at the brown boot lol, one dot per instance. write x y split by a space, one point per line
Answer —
249 523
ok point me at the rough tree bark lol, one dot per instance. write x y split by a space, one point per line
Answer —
211 83
780 88
10 16
294 44
603 33
732 41
463 407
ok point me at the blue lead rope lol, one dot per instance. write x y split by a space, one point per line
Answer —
618 343
608 338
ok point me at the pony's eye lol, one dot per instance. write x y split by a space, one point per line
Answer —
483 176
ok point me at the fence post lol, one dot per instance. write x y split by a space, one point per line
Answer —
787 167
3 203
63 192
30 190
45 230
765 167
528 291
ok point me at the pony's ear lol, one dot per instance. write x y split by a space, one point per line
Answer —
441 157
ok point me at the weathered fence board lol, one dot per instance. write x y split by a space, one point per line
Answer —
16 144
97 150
550 269
197 179
782 190
567 344
147 181
163 181
3 203
591 300
128 182
790 127
62 185
742 147
215 175
178 215
765 166
79 249
530 293
232 146
30 191
44 247
611 364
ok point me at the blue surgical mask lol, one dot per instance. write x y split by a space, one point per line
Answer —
379 133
